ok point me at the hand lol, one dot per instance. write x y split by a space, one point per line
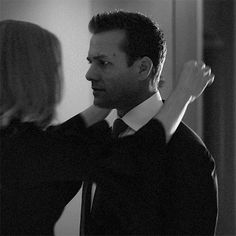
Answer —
94 114
194 78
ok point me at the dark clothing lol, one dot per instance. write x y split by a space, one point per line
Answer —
41 171
145 187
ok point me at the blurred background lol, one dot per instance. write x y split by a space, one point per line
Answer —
194 29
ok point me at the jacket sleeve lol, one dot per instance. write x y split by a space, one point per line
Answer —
60 153
192 188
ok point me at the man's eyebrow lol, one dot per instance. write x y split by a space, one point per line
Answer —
99 57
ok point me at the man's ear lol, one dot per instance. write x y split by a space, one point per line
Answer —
145 67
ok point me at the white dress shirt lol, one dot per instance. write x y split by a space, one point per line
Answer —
140 115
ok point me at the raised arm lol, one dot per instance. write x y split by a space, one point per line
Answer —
94 114
193 79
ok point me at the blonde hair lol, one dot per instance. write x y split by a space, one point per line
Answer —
30 72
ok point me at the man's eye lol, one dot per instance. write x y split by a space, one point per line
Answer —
104 63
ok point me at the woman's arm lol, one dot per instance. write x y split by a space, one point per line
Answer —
94 114
193 80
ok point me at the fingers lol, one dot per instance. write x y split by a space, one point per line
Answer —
211 79
206 71
207 75
195 77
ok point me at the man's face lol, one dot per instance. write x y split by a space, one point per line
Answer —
114 84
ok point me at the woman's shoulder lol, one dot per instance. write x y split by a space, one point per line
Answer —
17 128
20 138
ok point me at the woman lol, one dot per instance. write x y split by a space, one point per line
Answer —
42 167
38 167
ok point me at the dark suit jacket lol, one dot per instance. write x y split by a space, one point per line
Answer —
145 187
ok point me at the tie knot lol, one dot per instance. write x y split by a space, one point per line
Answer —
119 126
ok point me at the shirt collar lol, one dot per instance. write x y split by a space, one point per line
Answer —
141 114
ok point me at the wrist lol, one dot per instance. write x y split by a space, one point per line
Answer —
182 95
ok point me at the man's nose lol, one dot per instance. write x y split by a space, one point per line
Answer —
92 73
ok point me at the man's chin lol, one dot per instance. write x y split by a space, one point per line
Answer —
102 104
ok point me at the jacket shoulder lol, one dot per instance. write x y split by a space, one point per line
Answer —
185 137
188 149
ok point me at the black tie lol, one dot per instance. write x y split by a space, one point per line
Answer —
85 207
119 126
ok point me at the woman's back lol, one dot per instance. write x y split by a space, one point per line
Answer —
38 178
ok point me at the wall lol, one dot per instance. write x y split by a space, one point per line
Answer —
187 45
219 105
235 109
234 117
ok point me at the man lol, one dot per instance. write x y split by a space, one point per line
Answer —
148 187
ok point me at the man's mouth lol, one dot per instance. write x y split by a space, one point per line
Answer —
97 91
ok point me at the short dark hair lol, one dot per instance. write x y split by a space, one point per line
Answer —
143 35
